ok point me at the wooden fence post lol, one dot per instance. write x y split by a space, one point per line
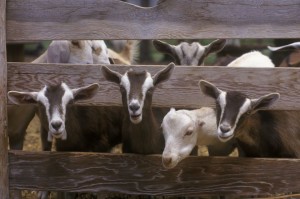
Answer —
4 185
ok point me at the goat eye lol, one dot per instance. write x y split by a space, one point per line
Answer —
150 90
189 132
122 89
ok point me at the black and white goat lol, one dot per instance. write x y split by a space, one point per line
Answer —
259 132
141 131
89 128
189 54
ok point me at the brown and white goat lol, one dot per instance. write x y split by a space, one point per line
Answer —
189 54
141 131
293 59
259 132
60 51
88 128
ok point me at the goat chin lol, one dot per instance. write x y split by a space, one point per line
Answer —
136 120
62 136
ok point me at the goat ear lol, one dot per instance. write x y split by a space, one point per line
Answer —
292 46
85 92
215 46
264 101
22 97
163 75
111 75
209 89
164 47
58 52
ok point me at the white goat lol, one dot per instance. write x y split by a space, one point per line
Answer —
184 129
252 59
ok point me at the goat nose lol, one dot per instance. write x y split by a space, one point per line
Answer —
167 160
225 128
56 125
134 107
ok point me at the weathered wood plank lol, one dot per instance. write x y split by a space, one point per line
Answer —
170 19
180 91
4 189
137 174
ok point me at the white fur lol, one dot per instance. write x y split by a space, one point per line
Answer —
252 59
178 145
100 52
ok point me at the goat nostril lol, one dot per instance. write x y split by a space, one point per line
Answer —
134 107
56 125
167 160
225 128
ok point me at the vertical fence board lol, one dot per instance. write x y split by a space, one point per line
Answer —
4 189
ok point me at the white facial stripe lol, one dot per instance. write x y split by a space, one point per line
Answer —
41 97
68 95
222 102
148 83
126 84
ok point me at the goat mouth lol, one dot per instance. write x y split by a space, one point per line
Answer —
57 135
225 138
135 117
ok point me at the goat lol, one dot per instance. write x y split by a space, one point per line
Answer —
128 55
292 60
259 132
100 52
60 51
92 128
189 54
65 51
252 59
184 129
140 131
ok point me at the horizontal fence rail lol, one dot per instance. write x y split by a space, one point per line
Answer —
138 174
170 19
181 90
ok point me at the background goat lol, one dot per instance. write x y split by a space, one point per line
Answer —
293 59
141 129
189 54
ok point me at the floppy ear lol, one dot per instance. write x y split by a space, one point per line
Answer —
215 46
86 92
58 52
22 97
209 89
111 75
164 74
164 47
264 101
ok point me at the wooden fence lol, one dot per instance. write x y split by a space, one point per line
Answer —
33 20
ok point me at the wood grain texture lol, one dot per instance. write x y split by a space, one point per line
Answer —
170 19
4 189
137 174
181 90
